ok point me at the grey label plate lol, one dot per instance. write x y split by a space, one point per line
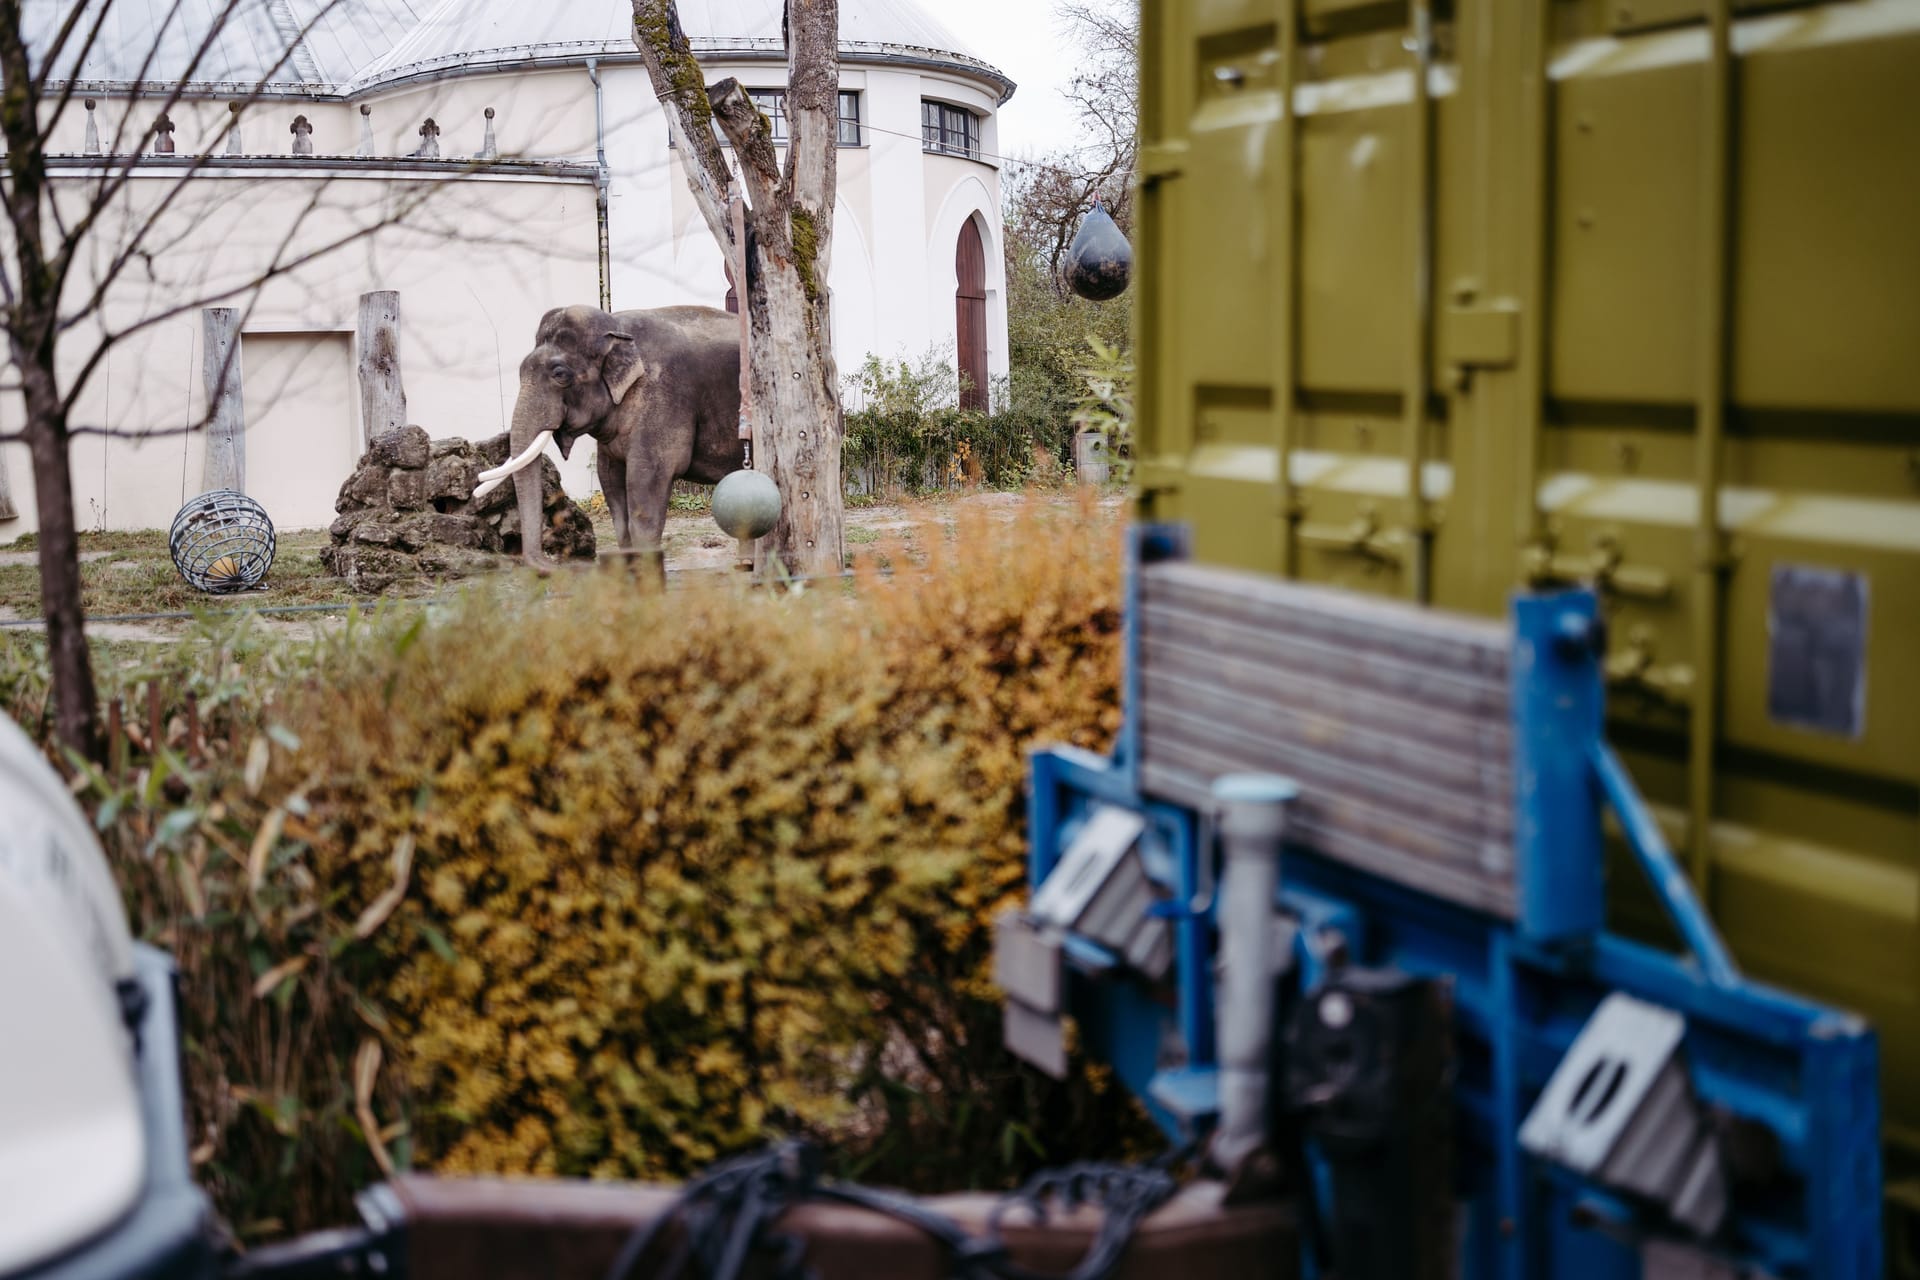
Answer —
1817 649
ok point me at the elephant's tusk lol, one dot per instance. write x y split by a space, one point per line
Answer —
492 479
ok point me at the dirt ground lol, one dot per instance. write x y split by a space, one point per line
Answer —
130 574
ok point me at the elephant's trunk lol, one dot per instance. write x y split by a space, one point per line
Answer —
535 418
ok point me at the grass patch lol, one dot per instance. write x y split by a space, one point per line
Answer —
135 575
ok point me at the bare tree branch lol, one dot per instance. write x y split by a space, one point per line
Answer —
278 266
752 138
677 81
103 198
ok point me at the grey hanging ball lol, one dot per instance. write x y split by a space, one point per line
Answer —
746 504
1100 260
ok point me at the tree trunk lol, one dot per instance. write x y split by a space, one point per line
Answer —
796 384
32 328
796 421
226 464
74 700
383 399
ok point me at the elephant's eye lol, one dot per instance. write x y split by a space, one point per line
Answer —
562 375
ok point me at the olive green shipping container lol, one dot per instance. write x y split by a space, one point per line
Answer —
1633 289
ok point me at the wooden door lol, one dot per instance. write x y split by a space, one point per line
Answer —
970 317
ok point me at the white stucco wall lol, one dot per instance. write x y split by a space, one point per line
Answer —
477 265
896 221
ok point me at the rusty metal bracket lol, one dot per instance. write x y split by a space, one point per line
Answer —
1364 537
1604 568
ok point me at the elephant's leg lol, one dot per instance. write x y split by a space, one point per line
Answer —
528 498
649 485
613 483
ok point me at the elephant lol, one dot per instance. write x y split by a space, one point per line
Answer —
658 389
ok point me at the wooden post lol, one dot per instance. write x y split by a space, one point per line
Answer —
226 465
8 511
383 400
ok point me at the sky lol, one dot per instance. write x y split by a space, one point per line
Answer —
1021 38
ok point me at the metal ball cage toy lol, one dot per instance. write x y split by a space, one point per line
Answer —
222 542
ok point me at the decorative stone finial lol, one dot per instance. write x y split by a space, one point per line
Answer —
233 132
302 131
429 148
163 135
93 131
365 151
489 149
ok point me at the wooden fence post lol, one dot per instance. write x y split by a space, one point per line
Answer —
7 510
226 466
383 399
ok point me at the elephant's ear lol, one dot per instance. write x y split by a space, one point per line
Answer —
620 363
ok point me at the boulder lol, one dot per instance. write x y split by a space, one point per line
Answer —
408 512
409 448
366 487
461 530
452 477
413 532
376 531
407 490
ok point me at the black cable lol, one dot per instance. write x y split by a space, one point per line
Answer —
725 1217
1127 1194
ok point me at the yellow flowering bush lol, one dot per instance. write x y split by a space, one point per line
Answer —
601 882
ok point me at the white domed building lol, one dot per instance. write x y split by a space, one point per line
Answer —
377 104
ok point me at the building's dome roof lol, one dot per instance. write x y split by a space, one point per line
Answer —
317 48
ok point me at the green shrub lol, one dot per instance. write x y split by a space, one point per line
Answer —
609 884
905 435
1105 402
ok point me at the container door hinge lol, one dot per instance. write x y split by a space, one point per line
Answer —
1477 335
1160 160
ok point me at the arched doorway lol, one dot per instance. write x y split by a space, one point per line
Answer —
970 316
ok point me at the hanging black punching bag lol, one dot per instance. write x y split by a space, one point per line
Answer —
1100 259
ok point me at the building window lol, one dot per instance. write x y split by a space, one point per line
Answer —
849 119
953 131
773 105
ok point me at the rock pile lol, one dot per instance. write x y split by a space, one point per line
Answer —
408 510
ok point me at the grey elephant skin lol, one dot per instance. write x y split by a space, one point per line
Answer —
658 389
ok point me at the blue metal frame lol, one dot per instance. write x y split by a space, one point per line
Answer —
1522 989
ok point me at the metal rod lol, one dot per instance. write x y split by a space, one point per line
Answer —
1286 295
1670 883
603 181
1558 713
1415 390
736 209
1253 821
1709 432
1532 367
